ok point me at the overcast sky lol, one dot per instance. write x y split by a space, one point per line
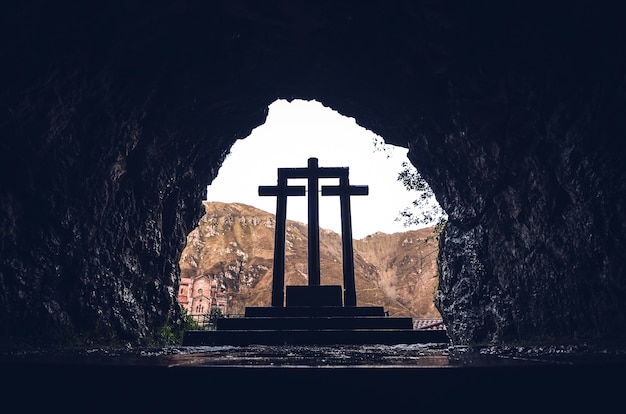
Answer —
298 130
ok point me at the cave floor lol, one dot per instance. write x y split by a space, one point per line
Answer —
347 377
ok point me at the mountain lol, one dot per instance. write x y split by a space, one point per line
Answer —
234 243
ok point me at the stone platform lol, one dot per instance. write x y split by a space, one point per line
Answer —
315 325
314 315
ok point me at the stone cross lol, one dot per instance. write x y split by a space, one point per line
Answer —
313 173
344 191
281 191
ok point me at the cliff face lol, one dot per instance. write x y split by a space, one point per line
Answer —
116 116
404 266
235 243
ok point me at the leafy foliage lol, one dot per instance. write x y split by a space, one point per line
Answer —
190 324
170 333
214 315
424 210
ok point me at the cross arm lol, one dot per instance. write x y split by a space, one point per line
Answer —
328 190
272 190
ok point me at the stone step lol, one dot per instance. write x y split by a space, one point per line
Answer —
316 323
314 337
313 311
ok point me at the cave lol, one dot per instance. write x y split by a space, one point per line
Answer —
115 117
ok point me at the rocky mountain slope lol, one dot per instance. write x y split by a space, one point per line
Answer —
234 243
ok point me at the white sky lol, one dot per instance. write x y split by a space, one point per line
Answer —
298 130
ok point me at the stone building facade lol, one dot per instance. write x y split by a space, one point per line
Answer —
201 294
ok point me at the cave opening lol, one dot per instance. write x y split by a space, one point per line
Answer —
299 129
120 118
294 131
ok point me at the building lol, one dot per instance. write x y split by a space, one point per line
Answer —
183 293
199 295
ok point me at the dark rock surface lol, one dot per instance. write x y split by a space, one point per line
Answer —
115 117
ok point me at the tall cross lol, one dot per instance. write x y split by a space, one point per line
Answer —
344 190
312 173
281 191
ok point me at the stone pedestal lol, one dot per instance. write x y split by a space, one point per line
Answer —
321 295
314 315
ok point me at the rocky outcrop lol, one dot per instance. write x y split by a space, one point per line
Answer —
234 243
117 116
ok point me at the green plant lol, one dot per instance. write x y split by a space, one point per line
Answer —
167 335
424 210
214 315
189 323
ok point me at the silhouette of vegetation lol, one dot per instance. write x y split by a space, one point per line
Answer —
424 210
214 315
189 321
171 334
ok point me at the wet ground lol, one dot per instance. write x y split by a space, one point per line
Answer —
328 378
410 356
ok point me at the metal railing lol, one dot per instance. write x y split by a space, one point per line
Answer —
208 321
428 324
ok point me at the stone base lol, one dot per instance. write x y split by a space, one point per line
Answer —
314 315
323 295
314 323
313 311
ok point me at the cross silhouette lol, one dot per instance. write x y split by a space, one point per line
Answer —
344 190
313 173
281 191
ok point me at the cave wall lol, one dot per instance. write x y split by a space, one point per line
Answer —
117 116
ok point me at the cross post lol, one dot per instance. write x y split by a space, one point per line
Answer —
344 190
281 191
313 173
313 223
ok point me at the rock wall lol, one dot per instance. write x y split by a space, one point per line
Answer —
116 116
